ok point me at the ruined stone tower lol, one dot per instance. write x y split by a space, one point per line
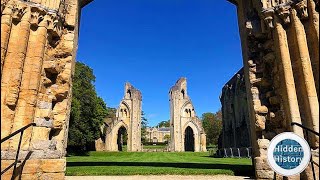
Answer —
38 46
187 133
128 116
280 46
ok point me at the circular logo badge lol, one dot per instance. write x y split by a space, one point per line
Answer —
288 154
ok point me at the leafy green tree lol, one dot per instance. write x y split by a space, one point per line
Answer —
166 137
111 112
164 123
144 124
212 124
88 110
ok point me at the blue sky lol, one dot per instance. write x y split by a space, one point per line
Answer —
152 43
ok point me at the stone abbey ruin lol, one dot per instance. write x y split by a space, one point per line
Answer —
128 120
236 126
186 131
38 47
280 48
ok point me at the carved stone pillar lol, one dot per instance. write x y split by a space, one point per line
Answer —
309 104
31 76
290 101
13 66
281 58
6 21
312 32
38 47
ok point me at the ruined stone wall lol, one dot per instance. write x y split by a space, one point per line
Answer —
235 116
128 116
183 115
38 47
280 47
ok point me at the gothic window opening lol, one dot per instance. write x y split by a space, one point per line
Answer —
129 94
183 93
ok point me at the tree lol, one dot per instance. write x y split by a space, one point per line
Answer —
166 137
88 110
144 123
212 124
164 123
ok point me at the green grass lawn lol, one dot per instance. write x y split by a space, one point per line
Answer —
154 146
158 163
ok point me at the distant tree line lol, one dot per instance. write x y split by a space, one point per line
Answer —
164 123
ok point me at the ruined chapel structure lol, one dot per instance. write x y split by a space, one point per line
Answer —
187 133
235 116
128 120
280 48
38 47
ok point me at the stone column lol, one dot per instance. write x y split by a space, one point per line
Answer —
6 21
31 78
290 101
38 46
312 32
310 102
13 69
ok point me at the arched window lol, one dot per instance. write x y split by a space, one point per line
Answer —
183 93
129 94
121 112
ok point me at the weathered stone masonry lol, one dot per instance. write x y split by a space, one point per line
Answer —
128 116
183 116
38 46
280 47
235 116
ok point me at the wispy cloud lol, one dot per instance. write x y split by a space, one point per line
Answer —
151 115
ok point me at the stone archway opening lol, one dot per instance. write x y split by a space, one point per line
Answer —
122 138
188 139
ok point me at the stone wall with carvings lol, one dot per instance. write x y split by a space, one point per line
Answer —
280 45
38 47
235 116
182 116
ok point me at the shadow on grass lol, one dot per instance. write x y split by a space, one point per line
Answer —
239 170
78 153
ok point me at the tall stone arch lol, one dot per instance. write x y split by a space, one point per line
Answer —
128 115
112 136
182 115
196 135
38 47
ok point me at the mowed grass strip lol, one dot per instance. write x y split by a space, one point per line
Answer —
154 146
155 163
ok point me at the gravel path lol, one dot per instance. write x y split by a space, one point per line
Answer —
163 177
